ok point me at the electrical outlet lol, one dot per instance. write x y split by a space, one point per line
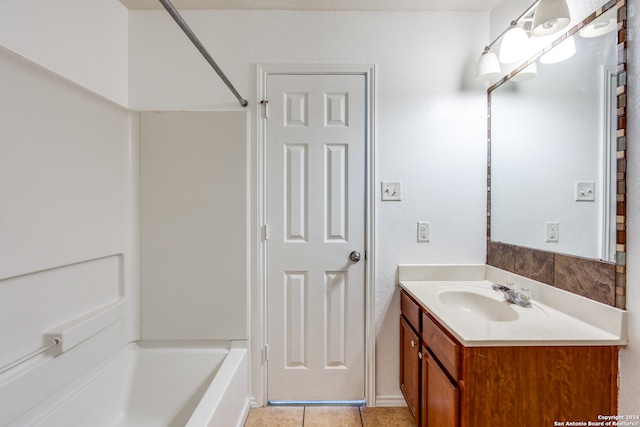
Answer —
423 231
553 232
391 191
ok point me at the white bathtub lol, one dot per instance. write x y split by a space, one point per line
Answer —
154 384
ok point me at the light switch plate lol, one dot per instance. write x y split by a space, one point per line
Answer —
585 191
391 191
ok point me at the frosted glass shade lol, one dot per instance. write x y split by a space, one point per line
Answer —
488 66
528 73
564 50
602 25
550 17
514 46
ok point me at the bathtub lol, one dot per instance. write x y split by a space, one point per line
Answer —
154 384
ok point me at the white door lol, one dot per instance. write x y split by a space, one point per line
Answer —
316 220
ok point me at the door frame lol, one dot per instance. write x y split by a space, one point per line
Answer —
368 71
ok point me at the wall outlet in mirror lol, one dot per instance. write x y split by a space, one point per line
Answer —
553 232
585 191
423 231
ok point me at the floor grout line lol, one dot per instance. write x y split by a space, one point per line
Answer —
377 416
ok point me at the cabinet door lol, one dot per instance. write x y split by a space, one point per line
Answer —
410 367
442 396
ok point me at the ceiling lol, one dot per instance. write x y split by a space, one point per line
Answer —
320 5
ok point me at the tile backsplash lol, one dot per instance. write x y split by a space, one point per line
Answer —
586 277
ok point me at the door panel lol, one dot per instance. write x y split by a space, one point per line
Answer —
316 216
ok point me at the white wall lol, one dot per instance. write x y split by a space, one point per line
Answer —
194 225
629 356
429 126
69 167
83 41
68 227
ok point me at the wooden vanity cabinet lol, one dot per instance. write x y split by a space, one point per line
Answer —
410 367
441 369
428 358
410 353
537 386
533 386
440 397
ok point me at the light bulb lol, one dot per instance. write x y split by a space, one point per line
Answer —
514 45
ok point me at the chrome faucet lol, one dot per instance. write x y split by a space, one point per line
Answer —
521 297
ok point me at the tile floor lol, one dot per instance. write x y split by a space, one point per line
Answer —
321 416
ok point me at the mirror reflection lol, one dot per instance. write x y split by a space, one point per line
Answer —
553 149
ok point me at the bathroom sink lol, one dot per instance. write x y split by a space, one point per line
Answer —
479 305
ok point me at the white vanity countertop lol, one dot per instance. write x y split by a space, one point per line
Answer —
557 318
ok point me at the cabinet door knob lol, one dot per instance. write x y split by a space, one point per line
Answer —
419 355
413 343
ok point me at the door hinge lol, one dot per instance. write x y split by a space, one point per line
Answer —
265 110
265 232
265 353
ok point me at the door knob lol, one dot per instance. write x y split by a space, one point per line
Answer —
354 256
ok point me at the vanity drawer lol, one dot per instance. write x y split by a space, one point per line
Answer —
411 310
441 345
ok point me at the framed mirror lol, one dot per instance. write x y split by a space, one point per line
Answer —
557 162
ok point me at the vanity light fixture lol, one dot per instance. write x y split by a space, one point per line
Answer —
515 45
550 17
564 50
516 50
488 66
604 24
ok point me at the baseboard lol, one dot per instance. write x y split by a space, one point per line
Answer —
382 401
390 401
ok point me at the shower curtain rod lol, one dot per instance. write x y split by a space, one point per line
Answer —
182 24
